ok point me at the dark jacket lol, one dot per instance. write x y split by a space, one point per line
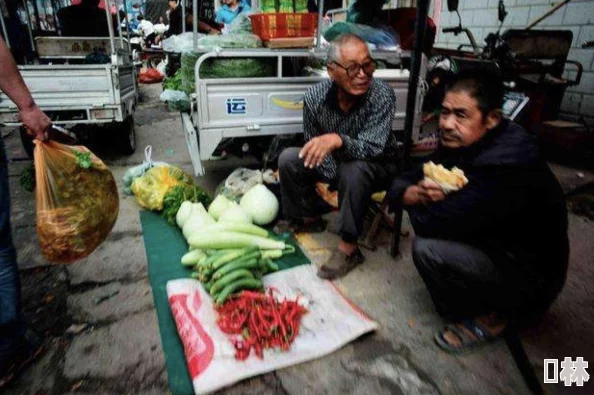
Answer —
84 21
175 22
512 207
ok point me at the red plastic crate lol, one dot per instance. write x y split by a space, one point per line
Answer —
281 25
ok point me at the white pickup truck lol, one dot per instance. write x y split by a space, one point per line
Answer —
74 94
268 106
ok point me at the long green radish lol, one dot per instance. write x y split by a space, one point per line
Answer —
240 227
219 240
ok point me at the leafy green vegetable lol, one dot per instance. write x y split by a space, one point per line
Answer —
174 83
83 159
27 179
177 195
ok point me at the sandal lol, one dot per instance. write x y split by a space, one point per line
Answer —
471 334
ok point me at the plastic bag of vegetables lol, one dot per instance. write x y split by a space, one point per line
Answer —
239 182
77 201
137 171
151 188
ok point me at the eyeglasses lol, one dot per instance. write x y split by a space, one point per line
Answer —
354 69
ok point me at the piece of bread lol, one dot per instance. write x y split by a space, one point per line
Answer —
449 180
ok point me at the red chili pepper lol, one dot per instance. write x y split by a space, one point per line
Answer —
263 321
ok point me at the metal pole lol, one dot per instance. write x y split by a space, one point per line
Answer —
320 18
110 26
183 2
26 5
119 20
4 32
411 100
195 23
552 10
126 19
55 13
36 13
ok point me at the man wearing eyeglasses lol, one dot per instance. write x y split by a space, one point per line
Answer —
347 123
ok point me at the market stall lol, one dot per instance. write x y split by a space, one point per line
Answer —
234 299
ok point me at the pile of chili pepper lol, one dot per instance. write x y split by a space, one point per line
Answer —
262 321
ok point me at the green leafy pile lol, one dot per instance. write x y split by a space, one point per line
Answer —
27 179
174 83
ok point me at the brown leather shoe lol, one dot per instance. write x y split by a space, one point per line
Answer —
340 264
317 225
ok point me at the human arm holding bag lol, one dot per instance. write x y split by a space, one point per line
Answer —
35 121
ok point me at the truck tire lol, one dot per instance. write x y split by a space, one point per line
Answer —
27 142
125 136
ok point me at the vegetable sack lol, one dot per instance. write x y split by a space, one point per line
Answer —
151 188
77 201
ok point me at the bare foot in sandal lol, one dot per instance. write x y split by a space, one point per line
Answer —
469 334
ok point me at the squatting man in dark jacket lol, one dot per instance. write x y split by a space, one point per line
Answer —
347 124
497 249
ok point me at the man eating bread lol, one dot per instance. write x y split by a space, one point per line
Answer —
489 218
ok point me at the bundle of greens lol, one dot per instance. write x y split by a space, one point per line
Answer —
177 195
174 83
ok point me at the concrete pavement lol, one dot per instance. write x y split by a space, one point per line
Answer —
101 327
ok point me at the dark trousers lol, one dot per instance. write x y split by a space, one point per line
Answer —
464 282
11 324
356 181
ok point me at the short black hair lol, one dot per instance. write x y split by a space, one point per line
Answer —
484 86
139 17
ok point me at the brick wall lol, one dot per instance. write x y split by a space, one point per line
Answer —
578 16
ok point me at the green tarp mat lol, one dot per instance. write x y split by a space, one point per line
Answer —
165 246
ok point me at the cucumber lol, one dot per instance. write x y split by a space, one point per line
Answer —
272 254
271 266
201 262
227 279
208 286
228 268
231 256
252 255
191 258
245 283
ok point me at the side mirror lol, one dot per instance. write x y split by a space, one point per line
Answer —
452 5
501 12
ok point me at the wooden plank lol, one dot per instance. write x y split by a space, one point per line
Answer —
289 42
70 47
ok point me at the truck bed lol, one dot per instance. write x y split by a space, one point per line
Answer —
75 93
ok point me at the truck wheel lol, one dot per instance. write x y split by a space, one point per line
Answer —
27 142
126 136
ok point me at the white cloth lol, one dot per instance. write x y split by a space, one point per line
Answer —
146 28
